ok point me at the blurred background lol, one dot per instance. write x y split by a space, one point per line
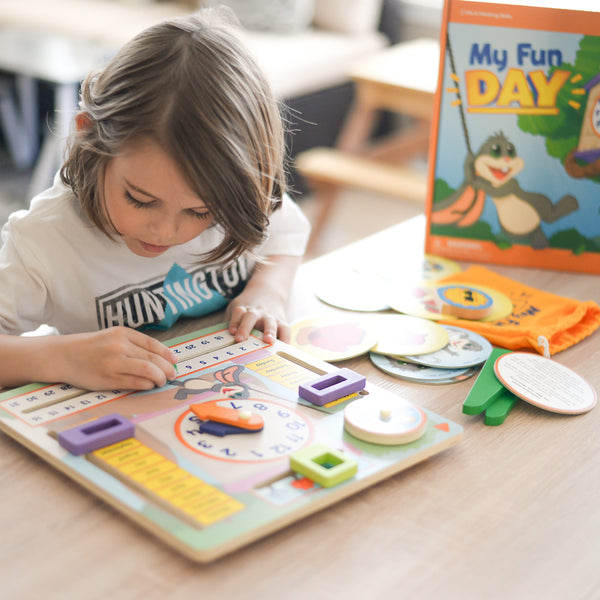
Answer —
307 48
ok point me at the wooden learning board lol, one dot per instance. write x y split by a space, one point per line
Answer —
205 494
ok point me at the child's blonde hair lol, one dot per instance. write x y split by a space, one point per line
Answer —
190 86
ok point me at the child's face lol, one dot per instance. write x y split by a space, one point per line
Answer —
149 203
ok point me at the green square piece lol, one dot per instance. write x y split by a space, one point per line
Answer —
323 465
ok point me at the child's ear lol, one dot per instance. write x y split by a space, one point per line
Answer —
83 121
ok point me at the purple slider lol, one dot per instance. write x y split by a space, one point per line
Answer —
92 435
332 386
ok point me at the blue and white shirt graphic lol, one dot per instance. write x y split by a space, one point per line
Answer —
159 303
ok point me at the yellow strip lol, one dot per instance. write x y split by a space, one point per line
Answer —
343 399
514 111
142 464
167 484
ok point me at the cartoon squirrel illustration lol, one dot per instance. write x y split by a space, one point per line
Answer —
492 172
229 384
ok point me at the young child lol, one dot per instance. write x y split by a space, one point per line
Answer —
170 203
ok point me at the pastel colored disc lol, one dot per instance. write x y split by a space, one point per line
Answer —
465 302
464 349
501 305
420 299
400 335
436 267
386 420
353 289
431 268
334 337
417 299
545 383
409 371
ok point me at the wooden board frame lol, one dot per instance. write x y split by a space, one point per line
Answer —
252 469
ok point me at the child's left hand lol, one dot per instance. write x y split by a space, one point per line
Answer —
262 303
245 314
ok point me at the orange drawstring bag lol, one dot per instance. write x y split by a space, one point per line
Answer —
539 320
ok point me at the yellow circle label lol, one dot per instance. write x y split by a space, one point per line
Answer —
464 297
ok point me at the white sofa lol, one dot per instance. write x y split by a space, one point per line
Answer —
298 58
316 53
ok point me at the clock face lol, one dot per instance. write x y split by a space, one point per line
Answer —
284 432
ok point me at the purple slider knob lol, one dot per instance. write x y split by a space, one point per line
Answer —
95 434
332 386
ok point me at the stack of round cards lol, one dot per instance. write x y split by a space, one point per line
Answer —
455 360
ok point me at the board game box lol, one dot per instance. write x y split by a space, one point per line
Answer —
514 168
205 487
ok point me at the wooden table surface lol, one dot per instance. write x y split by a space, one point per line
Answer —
511 512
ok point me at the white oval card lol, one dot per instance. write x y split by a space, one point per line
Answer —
545 383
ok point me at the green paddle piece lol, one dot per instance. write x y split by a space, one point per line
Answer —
486 388
497 412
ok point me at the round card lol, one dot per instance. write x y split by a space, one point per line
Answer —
465 301
352 289
431 268
421 300
545 383
436 267
400 335
464 349
334 338
386 420
501 305
417 299
415 373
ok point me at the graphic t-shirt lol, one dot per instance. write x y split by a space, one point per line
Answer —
160 302
56 268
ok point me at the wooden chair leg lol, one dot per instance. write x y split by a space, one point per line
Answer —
326 195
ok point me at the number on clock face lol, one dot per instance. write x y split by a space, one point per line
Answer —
284 432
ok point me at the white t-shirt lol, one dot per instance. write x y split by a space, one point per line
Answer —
57 268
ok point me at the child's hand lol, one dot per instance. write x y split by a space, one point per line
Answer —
115 358
262 303
246 313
